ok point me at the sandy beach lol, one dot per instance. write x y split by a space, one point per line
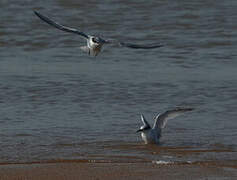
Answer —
116 171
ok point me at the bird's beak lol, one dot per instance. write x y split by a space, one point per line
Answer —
139 130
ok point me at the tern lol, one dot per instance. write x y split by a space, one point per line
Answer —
153 135
94 43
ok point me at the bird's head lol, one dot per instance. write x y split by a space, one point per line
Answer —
97 40
143 128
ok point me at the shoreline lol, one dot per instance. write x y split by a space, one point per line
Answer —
83 169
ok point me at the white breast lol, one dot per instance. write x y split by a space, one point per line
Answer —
148 137
94 47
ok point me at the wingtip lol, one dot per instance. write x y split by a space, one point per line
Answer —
184 109
143 118
35 12
189 109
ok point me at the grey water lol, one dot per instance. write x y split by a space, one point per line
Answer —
57 102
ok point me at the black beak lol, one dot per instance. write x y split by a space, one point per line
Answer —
139 130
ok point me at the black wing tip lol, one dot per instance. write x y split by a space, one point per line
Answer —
158 46
180 109
184 109
36 12
153 46
41 16
140 46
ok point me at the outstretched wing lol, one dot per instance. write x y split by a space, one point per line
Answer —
161 119
134 46
59 26
144 121
140 46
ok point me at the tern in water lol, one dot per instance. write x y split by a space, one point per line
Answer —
94 43
153 135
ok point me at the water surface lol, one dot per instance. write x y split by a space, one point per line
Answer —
58 103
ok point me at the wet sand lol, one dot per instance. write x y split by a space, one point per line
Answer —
83 170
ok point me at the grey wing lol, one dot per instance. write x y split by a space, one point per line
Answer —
161 119
134 46
59 26
140 46
144 121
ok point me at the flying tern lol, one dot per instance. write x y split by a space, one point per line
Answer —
94 43
152 135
